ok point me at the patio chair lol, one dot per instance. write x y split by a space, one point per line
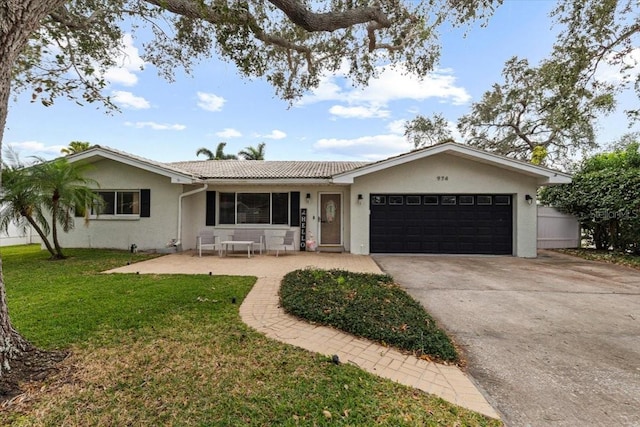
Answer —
208 241
283 242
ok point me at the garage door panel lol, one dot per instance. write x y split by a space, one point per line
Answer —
456 229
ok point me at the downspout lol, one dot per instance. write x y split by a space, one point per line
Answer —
180 197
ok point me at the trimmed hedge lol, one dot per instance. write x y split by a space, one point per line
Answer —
367 305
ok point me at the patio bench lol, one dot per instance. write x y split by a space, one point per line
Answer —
256 236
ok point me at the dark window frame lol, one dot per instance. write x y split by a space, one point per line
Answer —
400 203
114 206
413 197
444 202
226 217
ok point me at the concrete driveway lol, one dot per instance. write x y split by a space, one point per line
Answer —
552 341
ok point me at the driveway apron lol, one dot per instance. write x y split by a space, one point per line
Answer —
553 341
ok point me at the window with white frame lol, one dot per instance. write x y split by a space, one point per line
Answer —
254 208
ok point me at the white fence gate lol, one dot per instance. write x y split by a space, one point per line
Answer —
557 230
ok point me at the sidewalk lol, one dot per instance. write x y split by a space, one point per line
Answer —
261 311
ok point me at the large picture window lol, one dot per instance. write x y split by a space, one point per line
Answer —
117 202
254 208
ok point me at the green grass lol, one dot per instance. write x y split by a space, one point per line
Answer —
172 350
612 257
366 305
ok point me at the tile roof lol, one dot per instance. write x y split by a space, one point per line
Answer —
261 169
166 166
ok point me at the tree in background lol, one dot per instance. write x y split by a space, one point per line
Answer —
597 49
218 155
543 114
605 197
253 153
75 147
427 131
529 117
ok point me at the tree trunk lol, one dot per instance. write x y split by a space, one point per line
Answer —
54 227
43 236
18 20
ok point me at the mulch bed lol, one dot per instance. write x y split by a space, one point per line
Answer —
35 366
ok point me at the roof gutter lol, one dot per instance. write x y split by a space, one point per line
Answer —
180 197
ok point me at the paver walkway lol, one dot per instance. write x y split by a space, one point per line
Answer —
261 311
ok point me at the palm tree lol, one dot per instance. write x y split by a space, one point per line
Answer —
20 203
75 147
62 188
219 154
253 153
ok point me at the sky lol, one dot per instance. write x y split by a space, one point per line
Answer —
169 121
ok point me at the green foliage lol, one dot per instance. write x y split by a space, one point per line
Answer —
55 187
605 197
426 131
218 155
532 110
75 147
171 349
598 34
72 47
253 153
366 305
61 188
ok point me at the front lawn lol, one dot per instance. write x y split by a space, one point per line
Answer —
172 350
367 305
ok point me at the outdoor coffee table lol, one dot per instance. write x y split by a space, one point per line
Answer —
226 244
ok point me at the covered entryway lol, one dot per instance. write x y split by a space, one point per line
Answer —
441 224
330 217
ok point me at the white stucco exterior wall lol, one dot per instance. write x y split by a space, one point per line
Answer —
147 233
194 208
464 176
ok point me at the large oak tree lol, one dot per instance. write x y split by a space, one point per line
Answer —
63 48
549 112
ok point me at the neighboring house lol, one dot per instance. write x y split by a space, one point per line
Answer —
448 198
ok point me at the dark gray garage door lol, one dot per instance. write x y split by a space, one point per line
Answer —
447 224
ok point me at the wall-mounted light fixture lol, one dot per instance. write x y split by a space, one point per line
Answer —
528 198
360 198
308 197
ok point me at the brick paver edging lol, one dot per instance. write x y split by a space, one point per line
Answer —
261 311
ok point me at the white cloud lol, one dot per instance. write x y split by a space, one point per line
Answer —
275 134
397 126
30 148
129 62
392 84
229 133
210 101
129 100
623 70
359 112
374 147
155 126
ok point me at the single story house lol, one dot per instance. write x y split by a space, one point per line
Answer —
448 198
